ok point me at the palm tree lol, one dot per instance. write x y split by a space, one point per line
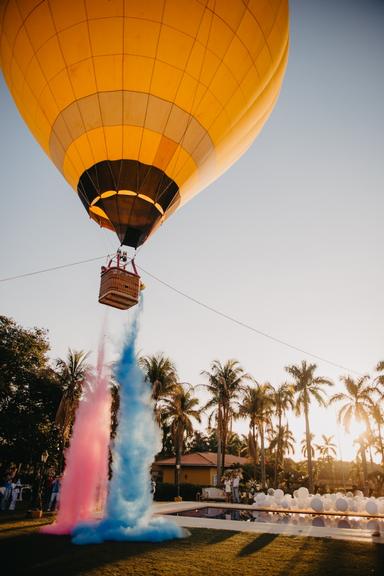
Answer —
304 446
257 405
178 411
72 372
327 449
307 386
378 417
285 439
283 401
225 383
160 372
380 368
357 402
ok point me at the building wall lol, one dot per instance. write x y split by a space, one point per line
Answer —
190 475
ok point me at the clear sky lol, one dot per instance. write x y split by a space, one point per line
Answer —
307 263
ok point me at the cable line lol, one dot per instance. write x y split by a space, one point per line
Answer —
52 269
248 326
199 303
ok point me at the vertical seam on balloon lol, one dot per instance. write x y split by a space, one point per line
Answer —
70 81
43 74
97 91
146 108
177 152
197 85
172 104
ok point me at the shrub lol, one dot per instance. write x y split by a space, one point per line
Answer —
165 491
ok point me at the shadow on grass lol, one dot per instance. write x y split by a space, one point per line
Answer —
350 559
257 544
34 553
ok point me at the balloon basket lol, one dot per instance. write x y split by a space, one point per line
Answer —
119 287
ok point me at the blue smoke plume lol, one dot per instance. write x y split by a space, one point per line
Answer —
128 510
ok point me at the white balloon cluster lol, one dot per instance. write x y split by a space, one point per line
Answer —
303 500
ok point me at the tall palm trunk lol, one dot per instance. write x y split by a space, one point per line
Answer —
278 450
308 440
381 444
179 450
254 448
364 462
218 435
262 455
224 429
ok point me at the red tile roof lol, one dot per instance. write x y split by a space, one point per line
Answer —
203 459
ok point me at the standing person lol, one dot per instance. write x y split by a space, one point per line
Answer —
235 487
227 488
16 487
55 494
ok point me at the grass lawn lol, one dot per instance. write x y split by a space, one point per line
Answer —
207 552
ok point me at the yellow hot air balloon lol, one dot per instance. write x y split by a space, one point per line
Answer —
142 103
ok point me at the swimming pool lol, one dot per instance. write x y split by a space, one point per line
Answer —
307 519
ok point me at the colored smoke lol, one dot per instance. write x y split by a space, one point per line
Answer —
128 510
85 479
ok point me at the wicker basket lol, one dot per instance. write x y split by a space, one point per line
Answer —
119 288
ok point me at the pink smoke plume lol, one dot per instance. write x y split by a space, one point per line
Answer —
85 479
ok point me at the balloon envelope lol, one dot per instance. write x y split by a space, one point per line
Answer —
141 104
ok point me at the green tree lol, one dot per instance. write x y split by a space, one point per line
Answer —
304 446
29 396
161 373
307 386
378 417
72 372
180 408
256 405
327 449
357 401
283 401
225 384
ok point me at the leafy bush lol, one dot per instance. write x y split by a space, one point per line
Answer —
165 491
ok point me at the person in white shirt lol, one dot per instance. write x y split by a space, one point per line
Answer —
227 488
235 487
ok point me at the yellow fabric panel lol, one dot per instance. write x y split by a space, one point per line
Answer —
83 78
35 78
63 17
5 55
50 58
39 25
137 73
148 146
165 81
74 42
141 37
174 47
61 88
11 22
175 16
27 6
109 74
49 104
106 36
131 141
23 51
103 8
150 9
164 153
114 142
181 166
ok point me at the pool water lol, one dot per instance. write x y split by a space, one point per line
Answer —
291 518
